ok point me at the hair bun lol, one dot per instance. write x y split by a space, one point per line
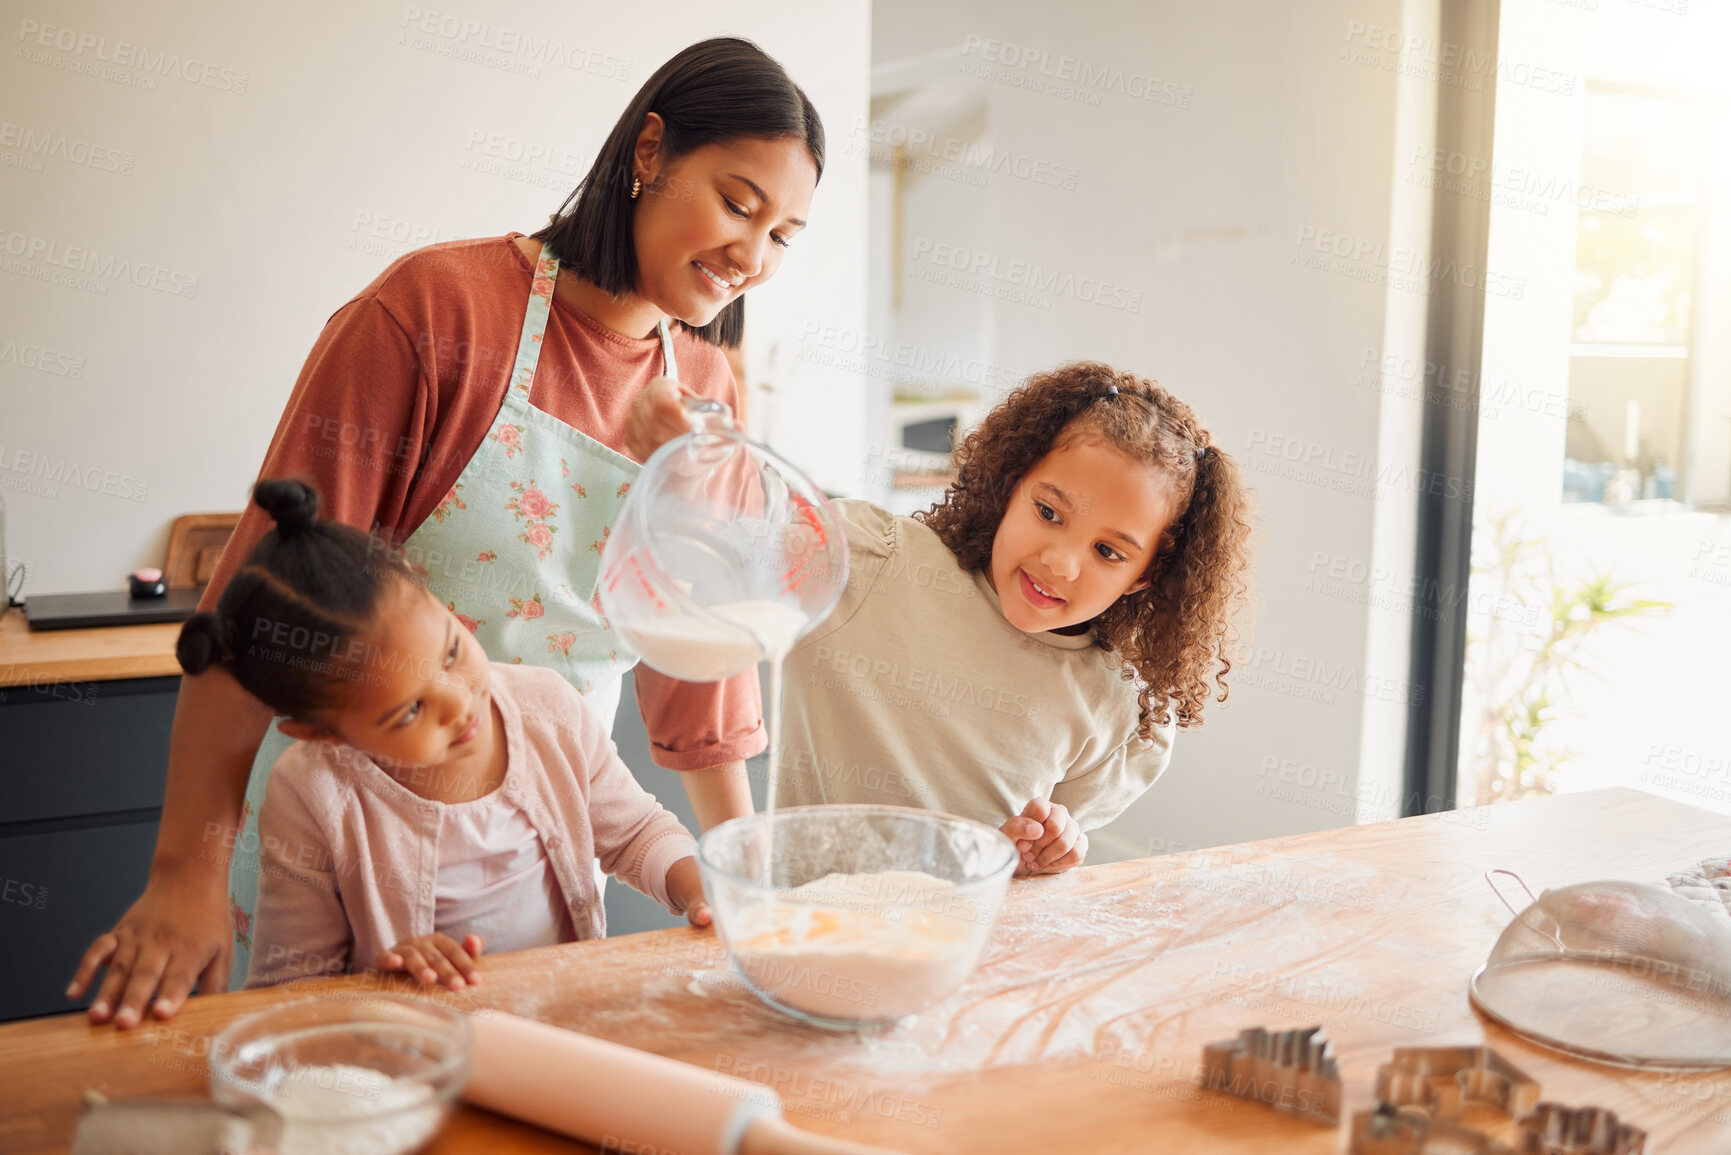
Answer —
205 640
294 505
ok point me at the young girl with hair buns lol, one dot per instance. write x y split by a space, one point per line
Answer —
436 804
1022 652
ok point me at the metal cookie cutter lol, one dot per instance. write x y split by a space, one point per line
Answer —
1385 1131
1553 1129
1287 1070
1442 1080
1422 1096
1422 1093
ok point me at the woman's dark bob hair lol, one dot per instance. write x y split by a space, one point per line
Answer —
713 92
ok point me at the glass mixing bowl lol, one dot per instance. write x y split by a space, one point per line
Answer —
373 1074
854 916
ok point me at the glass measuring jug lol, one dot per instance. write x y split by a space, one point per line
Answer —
723 554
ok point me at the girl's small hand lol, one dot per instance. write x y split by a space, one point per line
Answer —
1046 837
685 888
436 959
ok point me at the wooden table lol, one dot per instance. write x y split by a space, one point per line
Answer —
1083 1028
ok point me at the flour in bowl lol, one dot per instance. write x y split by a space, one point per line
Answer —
882 945
348 1110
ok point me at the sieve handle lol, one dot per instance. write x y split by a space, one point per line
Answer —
1501 897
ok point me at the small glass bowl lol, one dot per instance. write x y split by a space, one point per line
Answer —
874 947
375 1073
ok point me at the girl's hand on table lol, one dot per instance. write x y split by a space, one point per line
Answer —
435 959
685 888
1047 839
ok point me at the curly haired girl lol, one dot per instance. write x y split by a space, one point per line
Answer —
1022 652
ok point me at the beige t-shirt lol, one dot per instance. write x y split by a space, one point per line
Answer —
917 691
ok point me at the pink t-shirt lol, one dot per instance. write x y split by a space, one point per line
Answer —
350 856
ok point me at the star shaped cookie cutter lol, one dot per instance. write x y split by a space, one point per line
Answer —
1422 1095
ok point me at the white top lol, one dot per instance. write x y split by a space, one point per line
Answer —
495 878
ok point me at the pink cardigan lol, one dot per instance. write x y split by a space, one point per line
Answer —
348 854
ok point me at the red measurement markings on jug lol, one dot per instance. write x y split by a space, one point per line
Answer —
616 574
805 513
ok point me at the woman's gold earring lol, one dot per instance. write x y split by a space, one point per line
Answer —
636 186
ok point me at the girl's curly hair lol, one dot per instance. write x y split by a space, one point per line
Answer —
1178 633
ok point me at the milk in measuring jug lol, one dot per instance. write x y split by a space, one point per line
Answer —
695 647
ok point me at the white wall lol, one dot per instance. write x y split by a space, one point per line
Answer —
1268 135
312 145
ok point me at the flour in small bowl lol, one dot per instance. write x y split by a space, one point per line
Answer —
343 1109
874 946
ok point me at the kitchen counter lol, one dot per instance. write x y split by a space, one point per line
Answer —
1083 1028
46 657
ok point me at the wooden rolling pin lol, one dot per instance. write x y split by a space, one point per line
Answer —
621 1098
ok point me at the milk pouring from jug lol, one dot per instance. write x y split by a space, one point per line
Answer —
723 555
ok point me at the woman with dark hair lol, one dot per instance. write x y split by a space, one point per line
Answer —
484 406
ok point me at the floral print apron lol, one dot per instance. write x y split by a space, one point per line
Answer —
514 551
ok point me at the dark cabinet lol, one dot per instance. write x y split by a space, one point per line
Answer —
83 767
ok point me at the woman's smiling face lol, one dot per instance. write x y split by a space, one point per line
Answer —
717 221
